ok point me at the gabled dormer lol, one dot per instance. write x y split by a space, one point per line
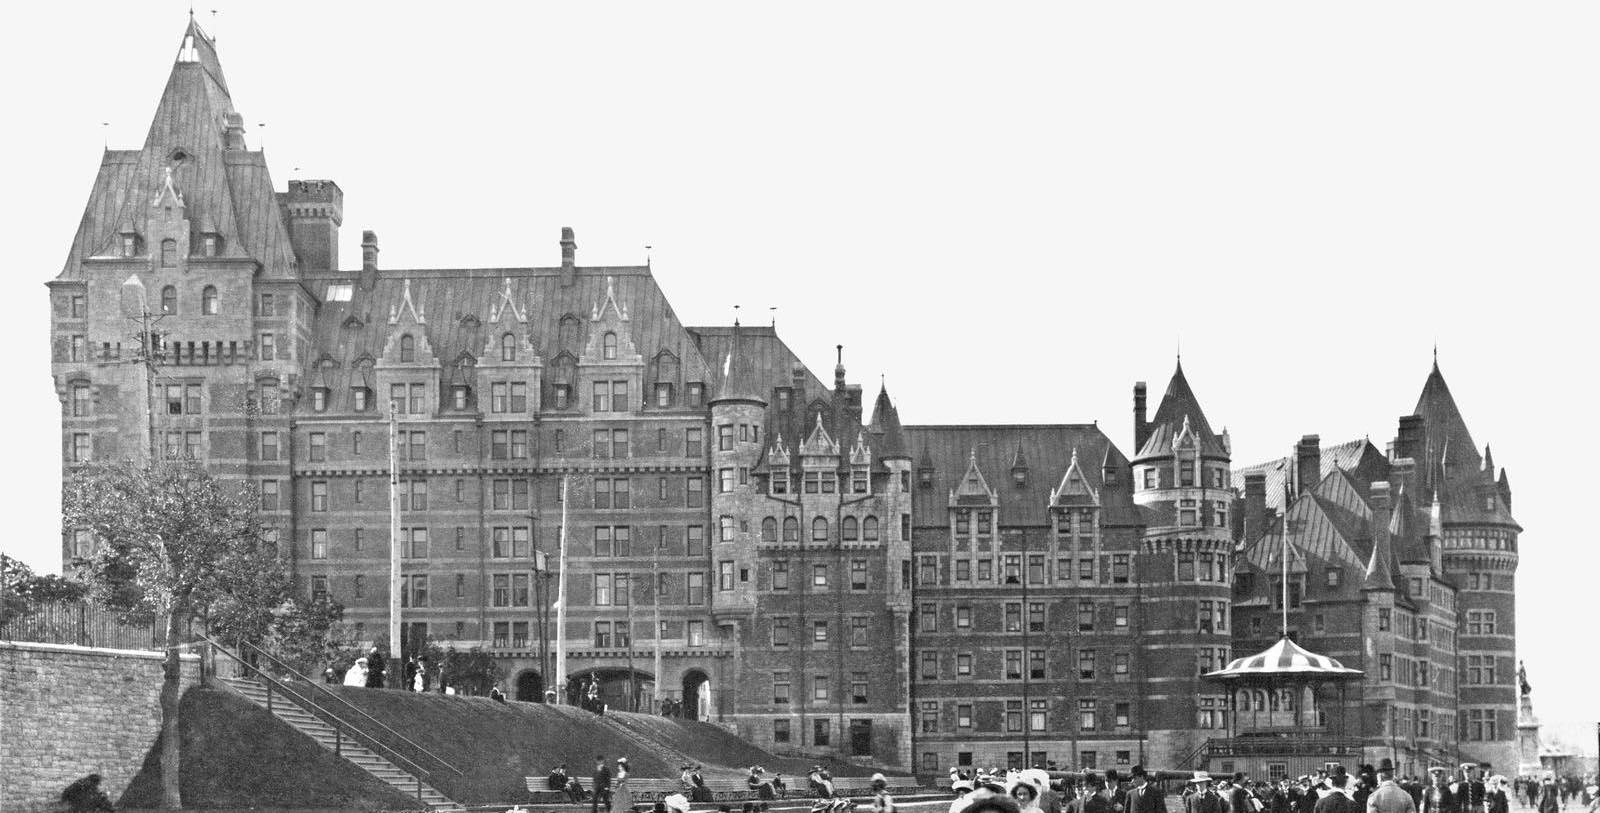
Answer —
167 223
973 505
860 466
819 446
1019 468
1075 489
610 332
1075 506
408 369
777 464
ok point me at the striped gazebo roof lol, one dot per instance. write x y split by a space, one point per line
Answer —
1284 662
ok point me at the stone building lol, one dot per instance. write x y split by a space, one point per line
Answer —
743 540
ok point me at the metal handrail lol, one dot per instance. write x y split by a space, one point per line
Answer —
339 721
347 704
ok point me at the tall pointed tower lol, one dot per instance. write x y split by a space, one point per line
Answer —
1182 487
188 229
1480 557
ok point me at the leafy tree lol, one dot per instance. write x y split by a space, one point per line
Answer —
472 672
176 543
21 591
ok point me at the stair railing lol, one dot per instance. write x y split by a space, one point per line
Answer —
340 726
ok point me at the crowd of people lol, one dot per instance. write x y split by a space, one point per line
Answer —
1334 790
372 671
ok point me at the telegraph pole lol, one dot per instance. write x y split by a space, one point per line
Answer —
561 601
145 356
394 539
655 601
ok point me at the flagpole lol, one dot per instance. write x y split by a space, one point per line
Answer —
561 602
655 601
394 541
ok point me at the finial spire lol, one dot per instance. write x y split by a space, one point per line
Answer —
735 315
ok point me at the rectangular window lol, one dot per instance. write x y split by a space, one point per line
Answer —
821 730
268 347
819 576
269 495
319 495
928 618
1085 616
1086 661
858 574
694 492
819 632
1087 718
780 731
780 575
929 661
963 664
780 631
963 618
696 587
963 570
269 446
1119 663
1036 616
319 543
963 715
1013 661
696 633
725 576
858 687
780 688
858 630
695 540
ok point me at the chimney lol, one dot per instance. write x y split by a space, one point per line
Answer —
316 210
232 131
1308 462
1141 432
369 260
1255 506
569 256
1380 573
1403 473
1411 438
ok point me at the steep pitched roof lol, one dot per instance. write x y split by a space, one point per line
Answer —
1177 405
738 380
886 423
1358 458
1453 467
947 451
974 488
1074 488
226 188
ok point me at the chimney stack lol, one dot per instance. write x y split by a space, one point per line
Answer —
1411 437
1402 473
1308 462
569 256
1141 432
369 250
232 131
1255 506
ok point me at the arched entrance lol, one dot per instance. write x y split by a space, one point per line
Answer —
610 687
696 695
530 687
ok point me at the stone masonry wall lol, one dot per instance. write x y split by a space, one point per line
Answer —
69 711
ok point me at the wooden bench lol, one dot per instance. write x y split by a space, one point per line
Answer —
539 790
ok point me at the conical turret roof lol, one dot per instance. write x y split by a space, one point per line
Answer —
738 375
1179 405
886 421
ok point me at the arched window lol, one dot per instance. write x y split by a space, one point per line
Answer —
169 300
169 253
608 346
208 301
848 529
869 529
819 529
769 530
508 347
408 348
791 529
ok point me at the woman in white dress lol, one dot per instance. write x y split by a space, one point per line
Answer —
621 793
356 675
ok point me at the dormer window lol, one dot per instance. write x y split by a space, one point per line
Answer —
663 394
985 523
780 481
508 347
783 398
130 245
1019 477
1110 476
460 396
169 301
319 399
860 483
696 394
608 346
208 301
562 396
1186 473
408 348
360 399
925 478
169 253
210 245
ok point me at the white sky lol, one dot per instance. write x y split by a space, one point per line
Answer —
1014 211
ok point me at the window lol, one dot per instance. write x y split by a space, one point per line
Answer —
317 448
791 529
408 348
819 576
319 584
963 664
414 543
724 481
1086 717
820 728
695 540
1036 668
858 574
963 715
663 394
869 529
929 661
1038 715
1119 664
1120 616
780 731
1036 616
695 585
269 446
1013 662
1085 616
928 618
1086 661
1386 667
930 725
780 631
1013 618
963 617
769 530
602 634
1481 622
1482 725
819 529
269 495
725 576
693 443
696 633
858 687
858 630
780 688
819 632
169 297
963 570
414 590
849 529
319 495
780 575
1013 724
319 543
1119 568
694 492
1385 619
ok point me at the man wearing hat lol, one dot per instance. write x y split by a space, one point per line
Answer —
1143 797
1337 798
1468 789
1204 799
1238 797
1096 797
1437 797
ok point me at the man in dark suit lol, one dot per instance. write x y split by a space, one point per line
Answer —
1096 798
1143 797
1204 799
1336 800
375 667
1239 795
1437 798
601 800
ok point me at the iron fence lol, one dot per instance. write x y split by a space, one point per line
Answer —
82 623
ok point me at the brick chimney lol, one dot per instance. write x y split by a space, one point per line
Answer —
369 259
1141 432
1308 462
316 210
232 131
1255 506
1403 474
569 256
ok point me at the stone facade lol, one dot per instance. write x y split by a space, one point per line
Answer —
69 711
741 539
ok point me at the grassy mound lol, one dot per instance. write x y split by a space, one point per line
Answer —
237 755
712 744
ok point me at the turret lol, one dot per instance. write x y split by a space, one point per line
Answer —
315 211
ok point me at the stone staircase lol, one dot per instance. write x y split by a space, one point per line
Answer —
357 754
